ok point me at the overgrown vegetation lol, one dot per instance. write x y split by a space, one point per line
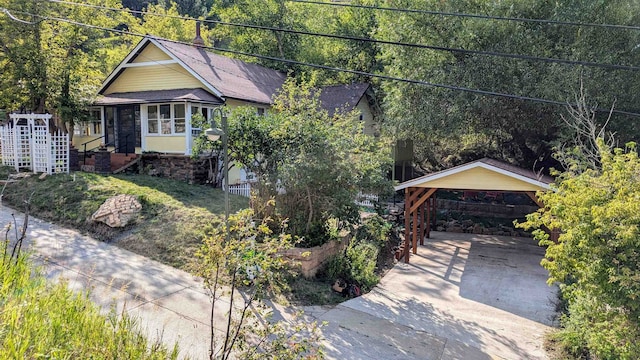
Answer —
596 259
169 228
44 320
312 163
365 257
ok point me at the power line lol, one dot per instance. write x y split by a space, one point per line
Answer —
330 68
377 41
476 16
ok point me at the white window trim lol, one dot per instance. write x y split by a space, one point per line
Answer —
145 116
77 128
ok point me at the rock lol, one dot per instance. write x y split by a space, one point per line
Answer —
118 211
477 229
455 229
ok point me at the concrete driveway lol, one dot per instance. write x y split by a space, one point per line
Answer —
464 296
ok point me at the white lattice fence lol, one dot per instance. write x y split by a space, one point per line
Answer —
22 136
40 148
8 146
59 152
26 142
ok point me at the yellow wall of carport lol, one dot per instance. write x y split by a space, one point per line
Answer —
480 179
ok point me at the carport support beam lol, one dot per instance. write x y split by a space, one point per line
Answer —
407 206
415 232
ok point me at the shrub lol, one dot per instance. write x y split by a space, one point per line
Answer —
359 261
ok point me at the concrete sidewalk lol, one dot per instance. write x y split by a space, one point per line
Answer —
173 306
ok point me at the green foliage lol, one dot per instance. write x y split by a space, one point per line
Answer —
41 320
57 66
596 259
360 260
314 165
167 24
245 256
450 127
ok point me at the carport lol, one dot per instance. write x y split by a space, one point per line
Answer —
480 175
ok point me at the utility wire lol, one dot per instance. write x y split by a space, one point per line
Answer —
330 68
20 20
476 16
384 42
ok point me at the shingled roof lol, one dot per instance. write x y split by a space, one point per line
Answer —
155 96
232 77
342 97
226 78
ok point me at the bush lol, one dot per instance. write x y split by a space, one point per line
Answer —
611 334
360 260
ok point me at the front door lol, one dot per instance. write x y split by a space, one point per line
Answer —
126 139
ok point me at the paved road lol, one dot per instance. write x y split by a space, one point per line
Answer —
173 306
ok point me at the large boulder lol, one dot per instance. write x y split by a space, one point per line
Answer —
118 211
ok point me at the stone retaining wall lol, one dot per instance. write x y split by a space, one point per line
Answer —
310 260
178 167
485 209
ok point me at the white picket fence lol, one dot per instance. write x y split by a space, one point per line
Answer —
27 143
244 189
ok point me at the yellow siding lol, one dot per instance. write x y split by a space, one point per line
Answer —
79 140
234 175
166 144
367 117
156 77
480 179
151 53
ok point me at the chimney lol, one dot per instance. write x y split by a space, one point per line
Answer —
198 41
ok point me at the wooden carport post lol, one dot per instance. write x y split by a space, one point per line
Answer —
415 197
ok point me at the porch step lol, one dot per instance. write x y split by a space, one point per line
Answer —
125 166
119 162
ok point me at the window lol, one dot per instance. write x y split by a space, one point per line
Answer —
166 119
92 126
261 111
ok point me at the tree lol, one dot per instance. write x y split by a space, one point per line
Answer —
595 260
54 65
450 127
270 13
241 260
313 165
167 24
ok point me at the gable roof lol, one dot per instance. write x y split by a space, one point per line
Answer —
345 97
220 75
508 177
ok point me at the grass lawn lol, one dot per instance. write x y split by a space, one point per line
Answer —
169 228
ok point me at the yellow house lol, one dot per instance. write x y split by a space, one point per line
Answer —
146 103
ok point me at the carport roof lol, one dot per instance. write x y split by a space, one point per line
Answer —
482 175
